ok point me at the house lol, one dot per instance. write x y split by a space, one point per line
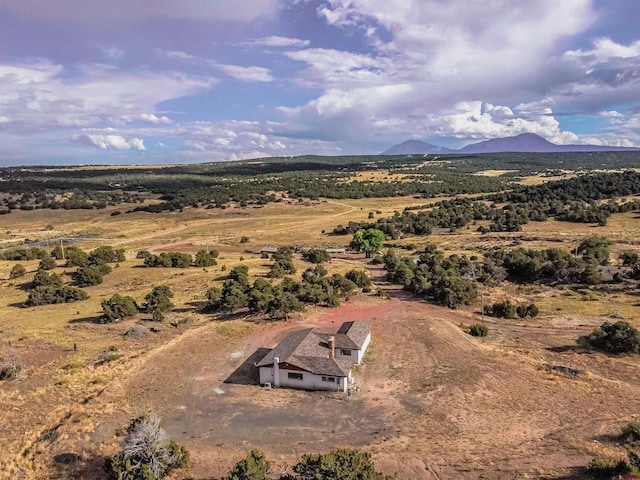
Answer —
335 250
268 250
315 360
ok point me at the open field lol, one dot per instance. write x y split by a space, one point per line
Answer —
432 402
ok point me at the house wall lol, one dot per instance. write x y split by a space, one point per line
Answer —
353 355
309 380
360 353
266 375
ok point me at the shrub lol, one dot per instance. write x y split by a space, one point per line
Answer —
106 254
158 301
18 270
146 454
619 337
359 277
602 469
204 259
504 309
254 466
244 239
478 330
47 295
631 433
118 307
88 276
316 256
10 366
47 263
342 463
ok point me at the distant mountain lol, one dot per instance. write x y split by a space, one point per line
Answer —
526 142
415 146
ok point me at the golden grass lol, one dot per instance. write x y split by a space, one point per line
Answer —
72 376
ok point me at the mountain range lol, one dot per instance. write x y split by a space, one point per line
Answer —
526 142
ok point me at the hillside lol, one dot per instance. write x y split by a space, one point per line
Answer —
526 143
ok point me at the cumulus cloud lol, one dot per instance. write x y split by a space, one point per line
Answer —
456 69
104 142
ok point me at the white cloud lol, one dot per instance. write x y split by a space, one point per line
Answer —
113 53
605 48
39 96
247 74
151 118
104 142
277 41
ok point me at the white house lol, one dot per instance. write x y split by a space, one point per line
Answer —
311 359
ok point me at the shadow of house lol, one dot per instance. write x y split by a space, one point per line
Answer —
247 373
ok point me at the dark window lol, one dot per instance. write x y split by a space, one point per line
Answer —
329 379
345 352
294 376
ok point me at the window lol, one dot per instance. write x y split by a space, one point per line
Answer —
329 379
294 376
345 353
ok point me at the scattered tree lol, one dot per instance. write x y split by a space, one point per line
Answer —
478 330
158 301
340 464
17 270
47 263
619 337
597 247
369 241
316 255
118 307
254 466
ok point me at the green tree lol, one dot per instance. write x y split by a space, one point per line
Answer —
233 296
359 277
106 254
76 257
284 304
158 301
369 241
47 263
204 259
88 276
118 307
44 279
254 466
478 330
619 337
17 270
597 247
316 255
214 296
339 464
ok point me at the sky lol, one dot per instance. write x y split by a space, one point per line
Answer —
186 81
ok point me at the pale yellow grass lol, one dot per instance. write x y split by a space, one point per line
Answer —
493 173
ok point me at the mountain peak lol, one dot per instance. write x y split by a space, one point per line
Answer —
524 142
415 147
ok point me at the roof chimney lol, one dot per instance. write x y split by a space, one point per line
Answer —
332 347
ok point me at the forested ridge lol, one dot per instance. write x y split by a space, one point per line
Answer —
309 176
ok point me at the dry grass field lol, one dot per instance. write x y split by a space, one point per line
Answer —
432 402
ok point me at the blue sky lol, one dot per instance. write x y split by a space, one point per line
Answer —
174 81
